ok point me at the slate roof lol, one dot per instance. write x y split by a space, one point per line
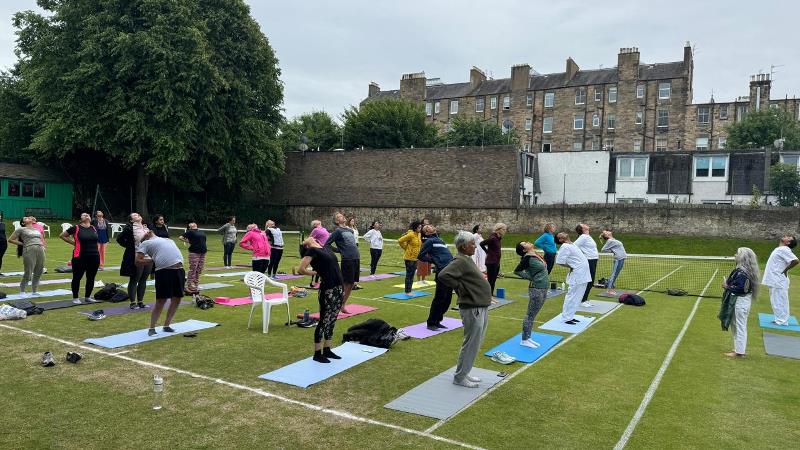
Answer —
26 172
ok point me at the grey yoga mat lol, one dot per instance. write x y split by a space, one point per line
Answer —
782 345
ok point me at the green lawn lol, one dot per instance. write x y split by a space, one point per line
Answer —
581 395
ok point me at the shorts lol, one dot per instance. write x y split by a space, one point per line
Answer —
169 283
423 268
350 270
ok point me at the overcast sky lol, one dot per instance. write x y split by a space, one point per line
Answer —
329 51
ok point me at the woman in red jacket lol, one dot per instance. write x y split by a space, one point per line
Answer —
492 248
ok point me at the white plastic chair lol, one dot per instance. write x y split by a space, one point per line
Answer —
255 281
116 228
45 228
17 225
65 226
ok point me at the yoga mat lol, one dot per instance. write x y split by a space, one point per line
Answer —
107 268
41 282
148 283
607 295
226 274
782 345
404 296
19 274
226 301
119 310
377 276
557 324
139 336
765 320
417 284
440 398
306 372
401 273
216 268
421 331
60 304
500 302
33 298
527 354
554 293
208 286
600 307
355 309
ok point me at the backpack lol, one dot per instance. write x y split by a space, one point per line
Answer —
119 296
106 292
632 299
373 332
203 301
28 306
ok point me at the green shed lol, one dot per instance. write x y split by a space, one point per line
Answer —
33 190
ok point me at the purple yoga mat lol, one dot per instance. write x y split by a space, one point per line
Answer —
377 276
288 277
421 331
117 310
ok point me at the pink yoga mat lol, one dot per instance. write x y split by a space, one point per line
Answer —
227 301
354 309
421 331
377 276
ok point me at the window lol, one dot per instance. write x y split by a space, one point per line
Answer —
506 102
437 107
479 104
493 102
428 108
595 120
547 125
27 189
710 166
663 118
612 94
612 120
774 106
721 142
703 114
580 96
701 143
528 124
637 145
546 146
640 91
529 101
741 111
723 112
661 145
791 159
38 190
529 163
577 123
549 99
13 188
453 106
664 90
608 144
638 118
595 142
598 94
632 168
577 146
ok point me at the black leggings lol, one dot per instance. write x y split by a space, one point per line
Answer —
227 253
592 272
84 265
3 248
274 259
411 268
137 283
260 265
550 260
330 302
492 270
375 256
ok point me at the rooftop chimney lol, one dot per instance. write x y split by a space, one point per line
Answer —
476 77
373 89
413 86
628 64
572 68
520 77
760 86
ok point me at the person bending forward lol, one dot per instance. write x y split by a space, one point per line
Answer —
170 276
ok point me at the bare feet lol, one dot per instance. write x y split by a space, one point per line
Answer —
734 355
344 311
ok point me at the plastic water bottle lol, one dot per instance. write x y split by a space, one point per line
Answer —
158 392
563 286
306 315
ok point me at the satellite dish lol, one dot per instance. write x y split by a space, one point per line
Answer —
507 124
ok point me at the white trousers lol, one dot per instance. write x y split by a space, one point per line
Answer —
739 325
572 300
779 298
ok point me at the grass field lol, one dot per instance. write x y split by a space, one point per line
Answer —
583 394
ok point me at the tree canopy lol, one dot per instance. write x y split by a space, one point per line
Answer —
785 183
319 129
16 131
476 132
185 90
390 123
762 128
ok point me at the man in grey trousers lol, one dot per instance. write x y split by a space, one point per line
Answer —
474 298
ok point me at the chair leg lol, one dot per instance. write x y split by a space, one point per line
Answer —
288 315
265 316
250 319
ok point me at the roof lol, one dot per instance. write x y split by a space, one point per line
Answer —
26 172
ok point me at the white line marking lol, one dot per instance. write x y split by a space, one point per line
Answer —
257 391
648 396
511 376
401 303
121 353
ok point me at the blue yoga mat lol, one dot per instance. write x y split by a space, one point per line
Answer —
409 296
765 320
306 372
139 336
527 354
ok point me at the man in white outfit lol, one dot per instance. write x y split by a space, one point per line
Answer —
775 277
570 256
589 248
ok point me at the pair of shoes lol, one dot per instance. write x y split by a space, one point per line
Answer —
432 328
97 315
529 343
141 305
77 301
91 300
572 322
465 383
440 326
587 304
734 355
151 332
775 322
74 357
168 329
473 379
320 358
503 358
47 360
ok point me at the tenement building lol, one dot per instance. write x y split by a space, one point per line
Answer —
633 107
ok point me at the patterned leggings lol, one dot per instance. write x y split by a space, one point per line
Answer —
330 302
196 263
535 302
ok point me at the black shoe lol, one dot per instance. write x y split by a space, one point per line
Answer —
326 352
141 305
571 322
74 357
168 329
47 360
151 332
433 327
321 359
133 305
440 326
357 287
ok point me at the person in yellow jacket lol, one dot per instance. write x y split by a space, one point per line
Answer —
411 243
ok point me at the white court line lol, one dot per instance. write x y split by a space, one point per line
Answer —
527 366
648 396
395 302
257 391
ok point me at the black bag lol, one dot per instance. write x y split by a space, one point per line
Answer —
203 301
28 306
106 292
373 332
2 295
64 269
632 299
119 296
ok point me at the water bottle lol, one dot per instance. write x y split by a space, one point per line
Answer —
306 315
158 392
563 286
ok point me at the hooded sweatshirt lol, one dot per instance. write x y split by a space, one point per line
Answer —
256 241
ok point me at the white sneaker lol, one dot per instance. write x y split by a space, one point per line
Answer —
529 343
36 294
465 383
587 304
77 301
473 379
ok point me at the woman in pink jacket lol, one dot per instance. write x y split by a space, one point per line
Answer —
256 241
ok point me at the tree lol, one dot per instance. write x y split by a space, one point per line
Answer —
762 128
185 90
318 128
476 132
390 123
785 183
16 131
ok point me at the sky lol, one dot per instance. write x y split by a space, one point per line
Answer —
329 51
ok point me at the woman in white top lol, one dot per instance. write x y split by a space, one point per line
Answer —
351 223
375 239
480 255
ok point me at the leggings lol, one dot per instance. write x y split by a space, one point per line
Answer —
492 270
330 302
227 253
375 256
88 265
535 301
33 262
3 248
274 259
550 260
592 272
411 268
137 284
260 265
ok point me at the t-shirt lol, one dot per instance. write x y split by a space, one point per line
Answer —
275 237
778 260
345 242
86 241
163 251
326 265
614 246
320 234
587 245
29 237
375 239
197 241
572 256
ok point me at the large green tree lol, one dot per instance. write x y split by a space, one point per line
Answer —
183 90
390 123
762 128
476 132
16 131
318 128
785 183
